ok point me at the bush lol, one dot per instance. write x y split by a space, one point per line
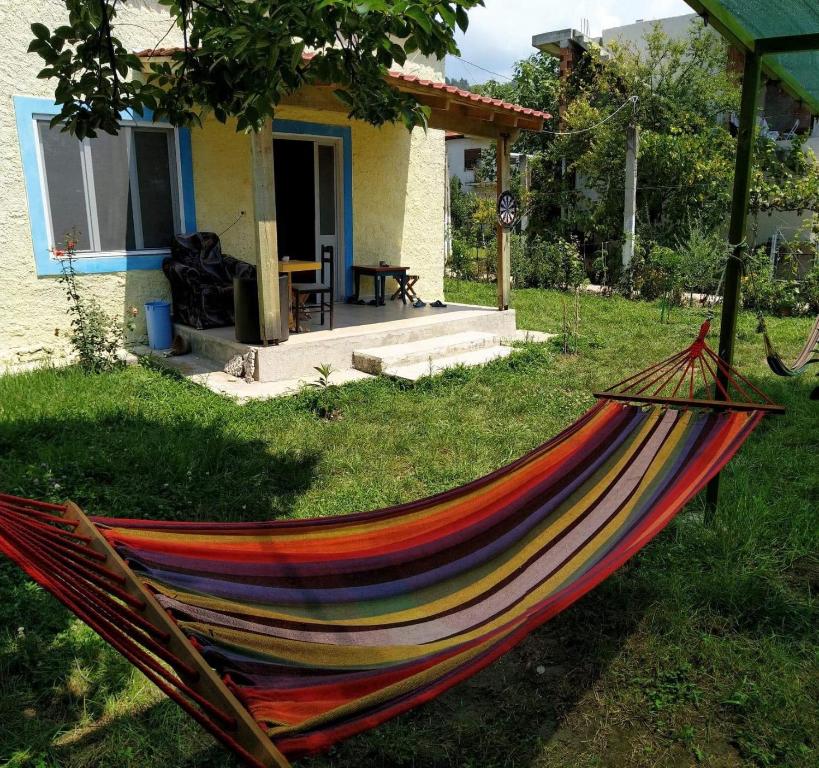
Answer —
653 273
460 262
762 292
540 264
702 259
95 337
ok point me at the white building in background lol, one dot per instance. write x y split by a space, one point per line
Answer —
462 155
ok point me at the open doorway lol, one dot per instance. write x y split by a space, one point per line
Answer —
308 208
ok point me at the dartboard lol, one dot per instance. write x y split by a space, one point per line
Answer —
507 209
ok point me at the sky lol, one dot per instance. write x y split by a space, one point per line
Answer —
501 32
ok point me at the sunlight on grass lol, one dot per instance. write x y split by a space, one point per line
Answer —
702 650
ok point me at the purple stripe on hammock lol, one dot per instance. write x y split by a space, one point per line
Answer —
288 596
192 566
548 562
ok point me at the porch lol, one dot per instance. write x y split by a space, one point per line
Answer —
414 342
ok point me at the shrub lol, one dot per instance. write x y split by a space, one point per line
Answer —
95 337
702 259
460 262
785 296
540 264
654 272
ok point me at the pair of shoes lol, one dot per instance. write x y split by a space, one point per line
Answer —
438 304
418 304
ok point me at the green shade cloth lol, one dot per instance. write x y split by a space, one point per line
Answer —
747 21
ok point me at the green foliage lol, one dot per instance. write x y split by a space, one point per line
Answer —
461 264
322 396
95 337
472 234
535 84
241 58
703 255
538 263
686 157
764 292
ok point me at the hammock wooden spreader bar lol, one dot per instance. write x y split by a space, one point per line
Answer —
808 355
282 638
63 551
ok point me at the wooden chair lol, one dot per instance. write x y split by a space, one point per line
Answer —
323 291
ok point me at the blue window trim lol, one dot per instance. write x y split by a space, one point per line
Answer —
25 108
343 132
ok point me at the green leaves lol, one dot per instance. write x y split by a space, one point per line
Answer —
244 58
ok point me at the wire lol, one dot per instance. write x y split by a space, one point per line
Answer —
230 226
633 100
483 69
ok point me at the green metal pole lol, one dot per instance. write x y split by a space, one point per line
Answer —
736 232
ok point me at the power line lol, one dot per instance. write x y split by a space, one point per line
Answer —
483 69
633 100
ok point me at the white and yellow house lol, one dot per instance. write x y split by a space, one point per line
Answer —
375 194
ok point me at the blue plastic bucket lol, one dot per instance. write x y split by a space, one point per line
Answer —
158 320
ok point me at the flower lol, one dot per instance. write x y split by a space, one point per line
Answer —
59 253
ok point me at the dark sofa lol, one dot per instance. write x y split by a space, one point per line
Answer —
201 279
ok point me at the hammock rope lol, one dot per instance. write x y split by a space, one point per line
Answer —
282 638
808 355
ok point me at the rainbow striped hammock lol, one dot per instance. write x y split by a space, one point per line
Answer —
282 638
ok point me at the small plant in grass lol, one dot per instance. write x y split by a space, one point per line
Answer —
323 396
95 336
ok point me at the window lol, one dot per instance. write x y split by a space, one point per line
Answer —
471 158
121 193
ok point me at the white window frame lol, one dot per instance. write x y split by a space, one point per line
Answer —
86 164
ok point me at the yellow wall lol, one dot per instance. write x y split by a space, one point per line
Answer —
398 195
398 184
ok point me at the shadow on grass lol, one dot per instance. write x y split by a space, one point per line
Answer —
501 717
54 673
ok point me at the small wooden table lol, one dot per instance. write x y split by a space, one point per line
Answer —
288 268
379 275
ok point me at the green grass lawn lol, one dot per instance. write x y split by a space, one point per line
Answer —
702 650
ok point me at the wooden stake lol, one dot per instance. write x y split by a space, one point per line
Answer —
248 732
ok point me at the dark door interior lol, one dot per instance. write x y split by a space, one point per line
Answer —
295 198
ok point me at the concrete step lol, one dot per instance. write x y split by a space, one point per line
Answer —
376 360
415 371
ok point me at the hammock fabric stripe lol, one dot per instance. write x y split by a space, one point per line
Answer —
808 355
325 628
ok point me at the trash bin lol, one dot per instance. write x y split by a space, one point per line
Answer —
246 310
160 328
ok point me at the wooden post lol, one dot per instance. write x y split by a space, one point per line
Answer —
248 732
526 184
504 266
630 202
264 214
737 232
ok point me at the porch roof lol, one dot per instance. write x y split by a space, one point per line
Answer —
451 108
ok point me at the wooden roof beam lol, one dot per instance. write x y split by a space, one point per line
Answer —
787 44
